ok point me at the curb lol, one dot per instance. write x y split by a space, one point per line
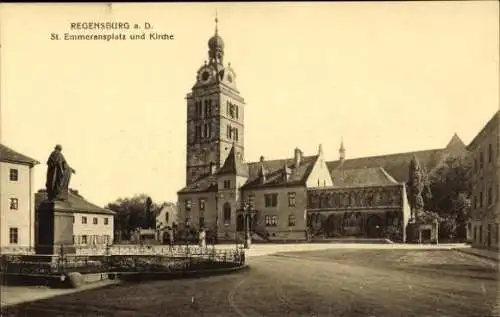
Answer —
496 259
134 277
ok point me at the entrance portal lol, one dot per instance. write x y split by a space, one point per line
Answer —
374 227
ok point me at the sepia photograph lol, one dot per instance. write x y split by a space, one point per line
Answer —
337 159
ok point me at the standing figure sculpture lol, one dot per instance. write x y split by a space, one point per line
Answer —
58 175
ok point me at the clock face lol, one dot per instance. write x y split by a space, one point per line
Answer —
205 75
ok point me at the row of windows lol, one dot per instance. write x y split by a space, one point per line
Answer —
271 200
478 201
272 221
92 239
203 105
232 110
203 108
232 133
479 164
203 132
95 220
490 234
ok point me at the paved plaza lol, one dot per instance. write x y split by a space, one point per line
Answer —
328 280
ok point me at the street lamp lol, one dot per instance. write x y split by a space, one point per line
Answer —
247 210
186 226
217 197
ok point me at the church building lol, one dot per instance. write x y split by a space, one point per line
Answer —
303 197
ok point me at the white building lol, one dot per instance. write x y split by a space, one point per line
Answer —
17 207
92 225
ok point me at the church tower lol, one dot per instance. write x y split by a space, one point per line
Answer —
215 114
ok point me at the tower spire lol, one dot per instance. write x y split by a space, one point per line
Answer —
341 149
216 22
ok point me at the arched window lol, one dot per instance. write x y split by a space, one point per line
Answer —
227 213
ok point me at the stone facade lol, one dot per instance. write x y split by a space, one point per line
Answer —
17 206
484 226
364 194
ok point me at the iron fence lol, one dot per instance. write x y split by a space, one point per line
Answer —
120 259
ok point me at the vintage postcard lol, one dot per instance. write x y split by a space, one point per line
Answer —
337 159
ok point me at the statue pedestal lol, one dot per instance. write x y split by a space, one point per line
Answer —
54 228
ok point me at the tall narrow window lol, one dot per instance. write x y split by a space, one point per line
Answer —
13 175
235 134
274 221
227 213
490 196
13 235
237 112
84 220
481 200
490 153
481 160
202 204
291 199
187 204
95 221
268 220
14 204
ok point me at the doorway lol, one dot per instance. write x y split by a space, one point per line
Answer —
374 227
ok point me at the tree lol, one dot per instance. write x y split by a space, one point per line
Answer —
451 190
133 213
418 187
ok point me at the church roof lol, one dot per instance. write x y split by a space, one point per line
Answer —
397 165
274 172
9 155
75 203
204 184
376 176
233 165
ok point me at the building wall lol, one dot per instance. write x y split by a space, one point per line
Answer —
484 227
99 233
24 217
282 230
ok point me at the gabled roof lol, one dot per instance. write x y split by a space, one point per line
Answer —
9 155
204 184
492 123
376 176
397 165
75 203
233 165
274 172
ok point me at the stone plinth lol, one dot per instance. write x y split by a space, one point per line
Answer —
54 228
416 232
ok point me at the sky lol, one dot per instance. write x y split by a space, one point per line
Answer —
386 77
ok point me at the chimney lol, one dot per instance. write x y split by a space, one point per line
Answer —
262 158
297 157
212 168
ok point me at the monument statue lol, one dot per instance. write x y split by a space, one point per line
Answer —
58 175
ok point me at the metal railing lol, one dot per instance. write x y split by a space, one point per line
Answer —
119 259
